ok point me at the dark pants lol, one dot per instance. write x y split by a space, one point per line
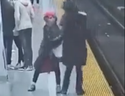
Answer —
56 69
37 1
8 42
79 78
57 73
20 50
26 41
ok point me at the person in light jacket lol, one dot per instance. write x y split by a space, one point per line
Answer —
8 36
24 15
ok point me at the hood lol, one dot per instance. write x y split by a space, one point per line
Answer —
25 2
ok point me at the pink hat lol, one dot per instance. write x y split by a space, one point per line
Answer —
49 14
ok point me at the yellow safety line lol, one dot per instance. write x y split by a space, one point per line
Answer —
94 82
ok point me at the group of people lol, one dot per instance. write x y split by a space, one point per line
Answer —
17 16
17 22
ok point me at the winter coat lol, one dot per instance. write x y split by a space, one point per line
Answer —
74 39
48 43
7 11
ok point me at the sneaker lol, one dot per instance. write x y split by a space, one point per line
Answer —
23 68
58 88
10 67
18 65
29 68
64 92
32 88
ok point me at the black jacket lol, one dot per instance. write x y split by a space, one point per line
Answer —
52 37
7 17
48 43
74 39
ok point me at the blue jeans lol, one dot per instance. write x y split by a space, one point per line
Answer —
26 40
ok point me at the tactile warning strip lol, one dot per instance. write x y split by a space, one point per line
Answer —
95 83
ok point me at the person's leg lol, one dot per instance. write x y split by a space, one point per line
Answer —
37 1
32 1
57 74
38 64
35 78
79 80
9 41
28 46
66 80
23 43
4 41
8 48
25 36
57 71
20 50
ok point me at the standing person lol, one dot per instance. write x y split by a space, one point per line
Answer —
52 38
8 26
74 45
24 15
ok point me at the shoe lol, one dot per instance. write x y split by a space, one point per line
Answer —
23 68
29 68
18 65
32 88
10 67
80 92
58 88
64 92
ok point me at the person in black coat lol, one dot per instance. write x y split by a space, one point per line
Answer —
8 21
74 45
52 38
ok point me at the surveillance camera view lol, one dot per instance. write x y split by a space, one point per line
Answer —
62 48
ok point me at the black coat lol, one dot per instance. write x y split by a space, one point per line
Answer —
45 51
74 45
7 17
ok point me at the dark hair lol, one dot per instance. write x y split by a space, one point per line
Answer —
69 6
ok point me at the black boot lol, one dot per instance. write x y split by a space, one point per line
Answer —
32 88
80 92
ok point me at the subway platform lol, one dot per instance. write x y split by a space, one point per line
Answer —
94 84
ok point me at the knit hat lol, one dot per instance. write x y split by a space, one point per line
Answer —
49 14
